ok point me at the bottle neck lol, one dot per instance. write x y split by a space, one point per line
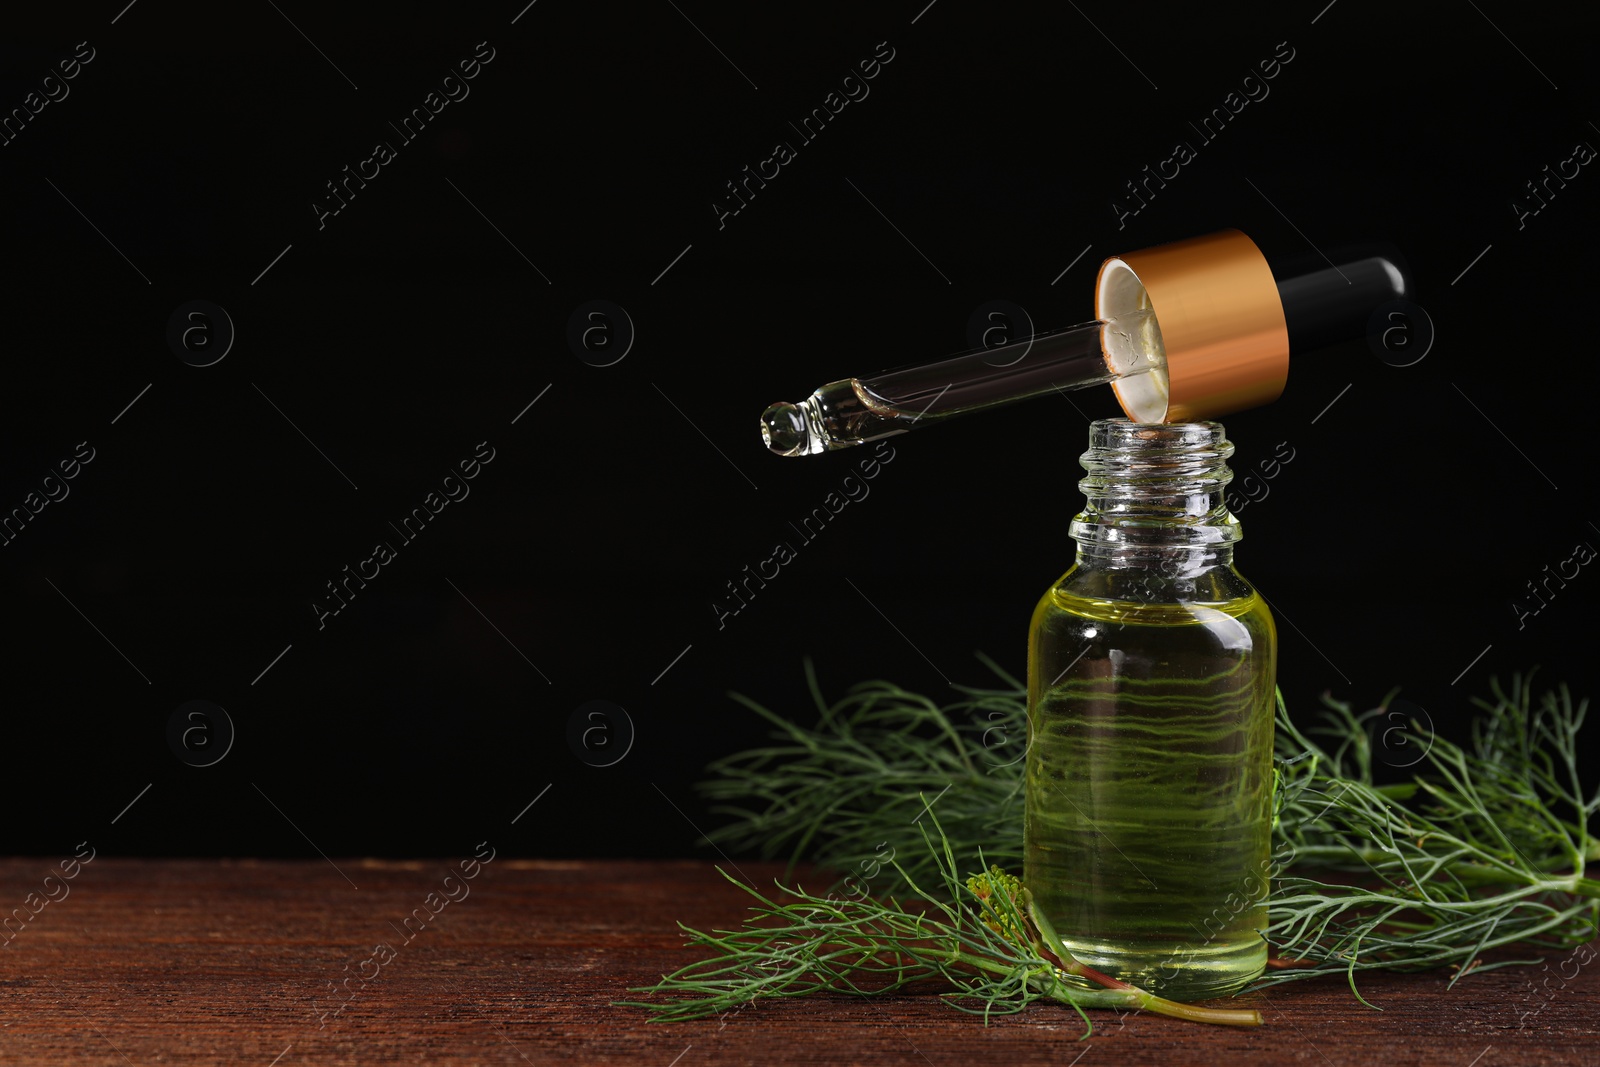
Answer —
1154 498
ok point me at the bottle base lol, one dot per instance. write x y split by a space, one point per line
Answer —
1183 973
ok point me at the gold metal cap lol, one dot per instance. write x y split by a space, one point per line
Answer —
1218 317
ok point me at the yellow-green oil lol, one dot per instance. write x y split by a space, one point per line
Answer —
1149 773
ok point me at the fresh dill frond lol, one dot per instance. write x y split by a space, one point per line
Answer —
1485 849
982 938
860 779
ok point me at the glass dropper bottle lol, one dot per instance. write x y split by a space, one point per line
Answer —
1185 332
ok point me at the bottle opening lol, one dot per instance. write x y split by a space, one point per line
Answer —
1155 488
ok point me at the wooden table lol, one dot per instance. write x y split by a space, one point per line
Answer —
195 961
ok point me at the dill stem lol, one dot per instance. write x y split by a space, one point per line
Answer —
1470 872
1194 1013
1088 998
1124 995
1587 887
1069 964
1161 1005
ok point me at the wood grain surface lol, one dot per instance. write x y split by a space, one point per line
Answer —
201 961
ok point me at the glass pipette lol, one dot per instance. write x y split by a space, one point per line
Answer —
853 411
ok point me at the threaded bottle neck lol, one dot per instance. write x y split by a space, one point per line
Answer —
1154 493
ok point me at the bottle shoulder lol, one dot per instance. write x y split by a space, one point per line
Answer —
1147 595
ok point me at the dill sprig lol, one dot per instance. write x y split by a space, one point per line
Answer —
985 938
838 791
1485 849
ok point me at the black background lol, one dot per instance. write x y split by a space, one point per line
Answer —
414 324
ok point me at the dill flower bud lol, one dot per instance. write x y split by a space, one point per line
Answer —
985 887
